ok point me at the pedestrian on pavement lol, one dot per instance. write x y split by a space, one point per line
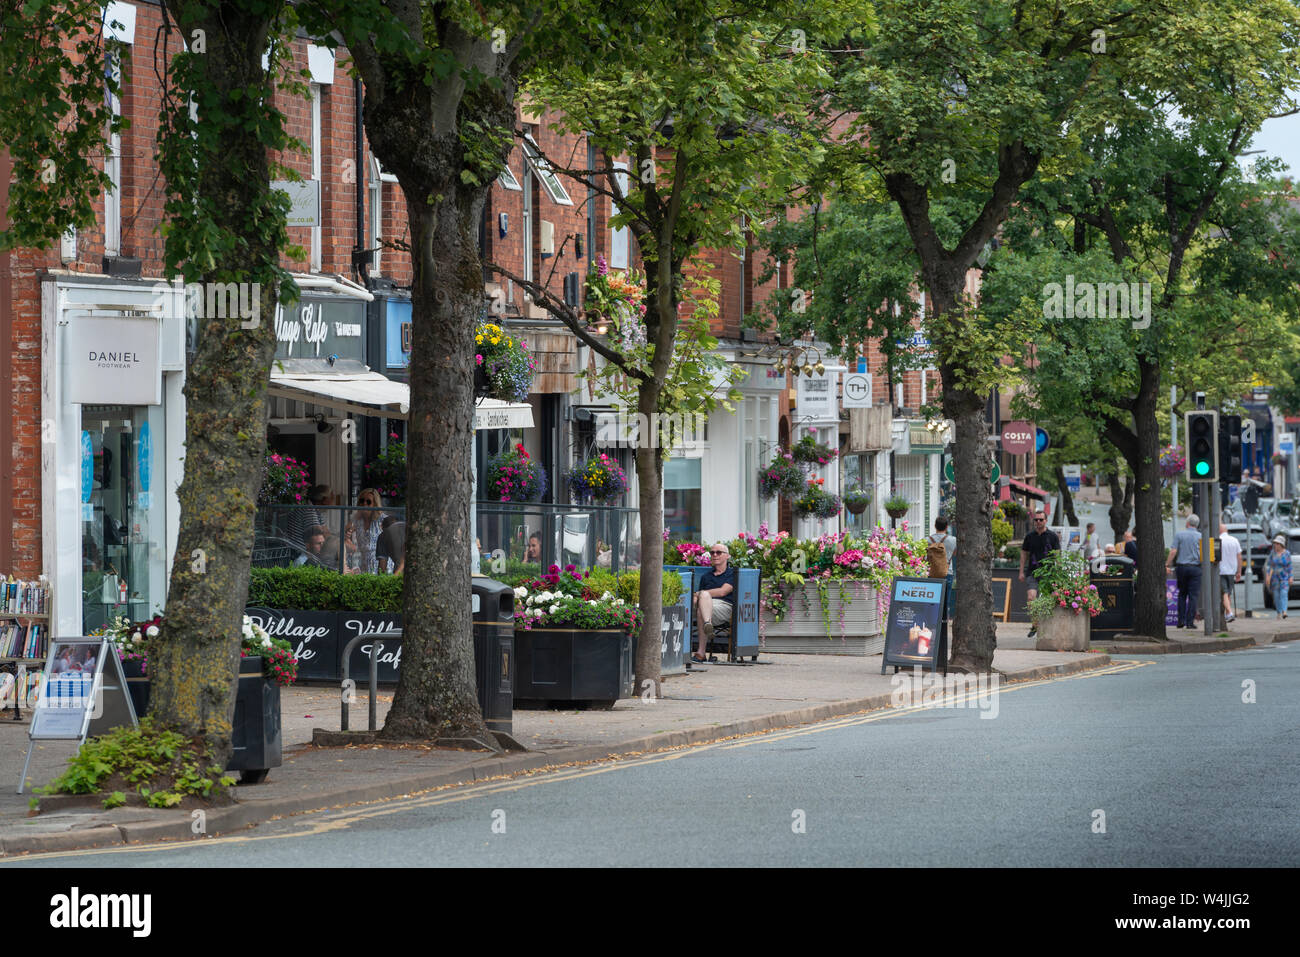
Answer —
1185 560
710 608
939 554
1130 546
1229 568
1277 575
1032 552
1091 544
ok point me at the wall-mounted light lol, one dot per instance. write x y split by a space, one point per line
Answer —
323 427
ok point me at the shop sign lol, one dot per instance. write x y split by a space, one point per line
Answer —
304 201
916 633
398 327
87 477
1018 437
114 360
383 632
762 378
320 328
816 396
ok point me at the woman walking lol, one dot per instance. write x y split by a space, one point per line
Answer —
1277 575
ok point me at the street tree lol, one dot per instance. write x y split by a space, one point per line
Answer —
969 99
705 103
439 110
1180 270
224 224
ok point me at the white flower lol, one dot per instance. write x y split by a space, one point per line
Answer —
521 592
591 601
606 597
266 641
152 631
555 609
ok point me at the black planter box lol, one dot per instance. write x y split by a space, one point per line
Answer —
572 665
137 686
256 735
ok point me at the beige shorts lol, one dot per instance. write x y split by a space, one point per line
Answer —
721 612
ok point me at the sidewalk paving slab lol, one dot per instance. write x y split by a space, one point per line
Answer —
706 704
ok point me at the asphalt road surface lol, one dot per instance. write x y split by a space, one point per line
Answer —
1184 760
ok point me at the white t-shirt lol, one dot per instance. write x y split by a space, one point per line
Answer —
1231 554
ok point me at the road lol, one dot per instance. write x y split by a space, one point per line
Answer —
1184 760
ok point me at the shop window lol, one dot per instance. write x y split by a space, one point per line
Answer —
123 517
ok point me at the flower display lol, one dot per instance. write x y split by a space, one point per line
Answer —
134 641
1172 462
857 499
600 479
816 501
781 476
285 481
503 363
565 598
386 472
812 452
513 476
1063 585
618 298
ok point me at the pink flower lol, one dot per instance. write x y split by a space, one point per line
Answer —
478 360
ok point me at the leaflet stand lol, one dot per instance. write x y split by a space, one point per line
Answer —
107 706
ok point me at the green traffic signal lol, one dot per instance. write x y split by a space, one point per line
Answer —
1202 468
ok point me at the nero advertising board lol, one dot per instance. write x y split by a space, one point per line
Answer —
916 633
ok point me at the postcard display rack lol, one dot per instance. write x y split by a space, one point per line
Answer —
24 640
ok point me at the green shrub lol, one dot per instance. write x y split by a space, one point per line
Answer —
601 580
163 767
321 589
629 588
1011 553
1002 530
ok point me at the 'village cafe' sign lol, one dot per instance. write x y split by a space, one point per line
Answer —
319 328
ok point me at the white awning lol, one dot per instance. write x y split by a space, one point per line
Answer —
495 414
362 393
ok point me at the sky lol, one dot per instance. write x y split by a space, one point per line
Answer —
1280 137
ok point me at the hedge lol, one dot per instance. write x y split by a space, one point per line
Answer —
321 589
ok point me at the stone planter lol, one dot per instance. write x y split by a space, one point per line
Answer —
1064 631
585 666
803 630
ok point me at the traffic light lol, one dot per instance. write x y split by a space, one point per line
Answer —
1202 446
1230 449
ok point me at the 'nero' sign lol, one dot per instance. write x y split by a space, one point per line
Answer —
916 634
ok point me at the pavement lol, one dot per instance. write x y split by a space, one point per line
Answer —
709 703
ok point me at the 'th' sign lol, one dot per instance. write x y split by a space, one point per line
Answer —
1018 438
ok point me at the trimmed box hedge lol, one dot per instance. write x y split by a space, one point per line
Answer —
321 589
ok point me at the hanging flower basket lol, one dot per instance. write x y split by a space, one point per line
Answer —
600 479
816 501
512 476
897 506
1172 462
503 367
781 476
809 451
616 300
1279 458
285 481
856 500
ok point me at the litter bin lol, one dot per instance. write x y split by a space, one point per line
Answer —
1115 589
494 652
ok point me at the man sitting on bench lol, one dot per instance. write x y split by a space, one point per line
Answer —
710 609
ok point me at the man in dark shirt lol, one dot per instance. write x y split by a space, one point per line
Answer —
1130 546
1032 552
710 607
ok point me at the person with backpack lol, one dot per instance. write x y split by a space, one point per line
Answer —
939 553
1032 552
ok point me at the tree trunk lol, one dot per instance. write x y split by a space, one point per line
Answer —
1121 506
437 694
194 664
1067 500
1140 447
974 634
650 483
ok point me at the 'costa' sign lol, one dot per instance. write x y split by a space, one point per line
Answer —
1018 438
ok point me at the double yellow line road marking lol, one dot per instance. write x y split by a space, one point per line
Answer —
455 793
